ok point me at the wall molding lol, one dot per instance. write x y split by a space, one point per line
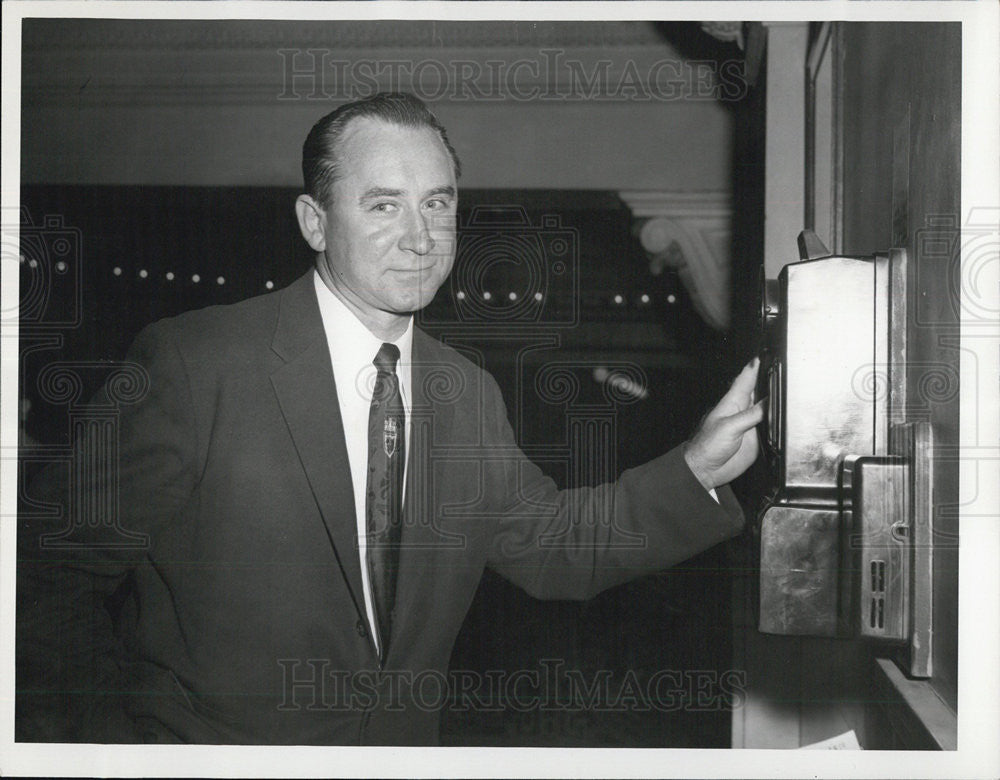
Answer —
690 232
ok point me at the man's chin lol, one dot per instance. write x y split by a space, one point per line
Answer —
414 301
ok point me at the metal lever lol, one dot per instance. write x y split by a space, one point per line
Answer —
810 247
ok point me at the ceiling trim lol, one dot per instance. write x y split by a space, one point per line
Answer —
145 34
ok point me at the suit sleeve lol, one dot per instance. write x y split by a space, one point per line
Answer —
572 544
69 681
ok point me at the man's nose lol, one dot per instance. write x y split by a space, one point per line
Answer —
416 237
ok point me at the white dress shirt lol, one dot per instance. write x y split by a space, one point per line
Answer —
352 349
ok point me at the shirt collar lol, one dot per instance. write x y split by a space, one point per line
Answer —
351 344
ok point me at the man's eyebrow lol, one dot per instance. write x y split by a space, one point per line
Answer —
445 190
380 192
388 192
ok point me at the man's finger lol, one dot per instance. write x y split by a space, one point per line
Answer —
748 418
744 384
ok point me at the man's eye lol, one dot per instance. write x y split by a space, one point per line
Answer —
436 204
384 208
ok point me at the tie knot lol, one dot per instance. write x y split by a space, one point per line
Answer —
385 360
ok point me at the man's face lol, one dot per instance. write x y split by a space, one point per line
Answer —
389 228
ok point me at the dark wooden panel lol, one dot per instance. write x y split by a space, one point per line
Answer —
902 98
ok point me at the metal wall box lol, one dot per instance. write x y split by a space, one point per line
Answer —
840 535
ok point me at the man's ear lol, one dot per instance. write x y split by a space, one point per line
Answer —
312 222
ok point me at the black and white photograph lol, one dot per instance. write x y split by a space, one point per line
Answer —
500 389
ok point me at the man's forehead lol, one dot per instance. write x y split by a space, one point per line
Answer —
376 152
372 135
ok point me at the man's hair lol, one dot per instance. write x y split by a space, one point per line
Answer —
320 152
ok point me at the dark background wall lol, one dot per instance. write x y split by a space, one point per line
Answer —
228 102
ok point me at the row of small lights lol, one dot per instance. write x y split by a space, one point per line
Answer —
618 299
196 278
644 299
488 296
33 263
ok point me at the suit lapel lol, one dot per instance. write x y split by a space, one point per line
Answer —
307 396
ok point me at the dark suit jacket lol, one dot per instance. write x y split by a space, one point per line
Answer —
245 619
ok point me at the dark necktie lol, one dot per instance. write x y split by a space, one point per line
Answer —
384 501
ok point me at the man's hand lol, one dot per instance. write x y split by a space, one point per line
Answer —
726 443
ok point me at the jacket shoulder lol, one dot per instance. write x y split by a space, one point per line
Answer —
219 330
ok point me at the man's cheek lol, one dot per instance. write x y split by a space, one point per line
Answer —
380 241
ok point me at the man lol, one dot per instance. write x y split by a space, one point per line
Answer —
316 524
